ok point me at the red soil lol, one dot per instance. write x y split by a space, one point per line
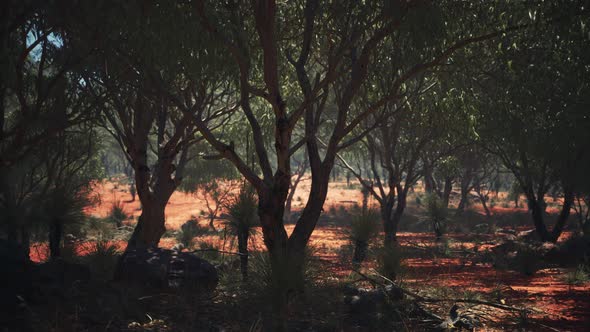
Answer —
559 305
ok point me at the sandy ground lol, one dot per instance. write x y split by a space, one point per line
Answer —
559 305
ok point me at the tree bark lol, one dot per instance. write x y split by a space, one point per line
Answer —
429 185
388 226
394 217
568 200
243 250
360 251
465 189
537 215
484 204
55 235
150 226
448 188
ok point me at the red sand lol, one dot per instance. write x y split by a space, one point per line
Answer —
563 306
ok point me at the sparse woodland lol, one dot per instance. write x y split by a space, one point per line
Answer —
299 165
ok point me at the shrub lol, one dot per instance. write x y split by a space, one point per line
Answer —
243 218
117 214
437 214
443 248
102 259
188 231
527 260
208 251
389 261
364 226
418 200
284 278
578 276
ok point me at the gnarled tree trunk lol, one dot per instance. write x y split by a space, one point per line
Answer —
55 235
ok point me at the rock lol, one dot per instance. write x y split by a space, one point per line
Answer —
162 268
528 236
364 300
459 321
16 282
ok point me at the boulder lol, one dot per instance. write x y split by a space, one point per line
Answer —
15 280
365 300
530 236
163 268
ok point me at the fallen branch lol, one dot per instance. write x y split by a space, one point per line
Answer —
219 251
436 300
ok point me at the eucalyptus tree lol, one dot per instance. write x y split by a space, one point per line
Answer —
395 149
306 77
38 94
479 171
534 107
141 48
45 123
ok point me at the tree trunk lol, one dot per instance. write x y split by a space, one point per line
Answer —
243 250
448 188
150 226
388 226
466 180
154 198
55 234
429 186
537 214
360 251
484 204
394 218
212 221
568 200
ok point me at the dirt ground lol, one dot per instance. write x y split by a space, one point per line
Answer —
556 304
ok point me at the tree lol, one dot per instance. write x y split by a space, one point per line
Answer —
154 132
395 149
536 134
45 116
312 90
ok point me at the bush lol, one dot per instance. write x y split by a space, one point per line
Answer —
389 261
527 260
102 259
117 214
188 231
243 218
364 226
578 277
418 200
285 278
443 248
208 251
437 214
